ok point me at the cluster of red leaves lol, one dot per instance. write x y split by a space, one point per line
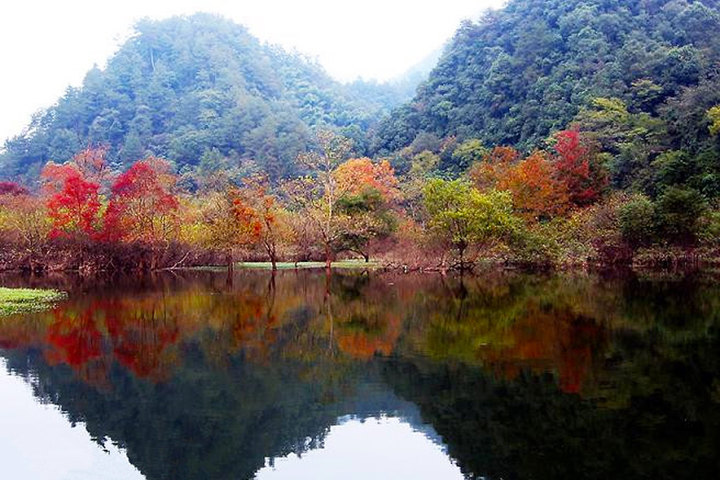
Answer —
73 202
248 219
574 168
12 189
140 196
73 338
544 185
141 341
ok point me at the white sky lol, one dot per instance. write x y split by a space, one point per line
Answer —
38 442
358 450
47 45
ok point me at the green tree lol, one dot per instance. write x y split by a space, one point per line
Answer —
714 116
637 223
184 85
461 216
469 152
679 213
368 217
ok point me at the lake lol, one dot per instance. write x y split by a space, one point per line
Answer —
364 375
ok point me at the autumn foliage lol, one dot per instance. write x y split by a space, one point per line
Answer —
73 202
534 182
541 208
576 168
143 203
12 188
358 174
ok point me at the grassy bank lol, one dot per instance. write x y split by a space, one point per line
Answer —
19 300
293 265
343 264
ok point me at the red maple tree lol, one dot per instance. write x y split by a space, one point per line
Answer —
576 168
143 203
73 202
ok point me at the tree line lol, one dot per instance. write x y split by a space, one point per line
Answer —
548 208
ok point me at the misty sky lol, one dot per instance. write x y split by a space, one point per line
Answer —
47 45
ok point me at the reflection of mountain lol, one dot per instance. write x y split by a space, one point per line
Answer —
504 364
528 428
214 423
521 377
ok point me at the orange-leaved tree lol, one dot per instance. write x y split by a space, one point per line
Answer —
369 203
260 217
536 192
486 173
359 174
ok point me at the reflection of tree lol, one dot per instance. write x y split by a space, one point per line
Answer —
362 336
527 427
204 422
74 339
507 328
141 338
252 382
369 320
650 411
548 340
523 376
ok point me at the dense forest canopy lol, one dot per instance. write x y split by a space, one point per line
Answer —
522 72
200 91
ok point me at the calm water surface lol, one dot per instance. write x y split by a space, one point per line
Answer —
363 376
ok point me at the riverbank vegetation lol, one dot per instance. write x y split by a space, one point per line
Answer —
19 300
553 207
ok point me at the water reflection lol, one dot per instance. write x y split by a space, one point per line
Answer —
506 376
38 443
396 451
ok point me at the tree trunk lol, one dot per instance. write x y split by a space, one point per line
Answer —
230 268
153 259
230 262
33 263
271 250
461 251
328 257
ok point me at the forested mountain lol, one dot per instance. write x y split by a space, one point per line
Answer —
199 91
550 132
527 70
203 93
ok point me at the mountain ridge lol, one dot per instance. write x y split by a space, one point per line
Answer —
190 87
527 70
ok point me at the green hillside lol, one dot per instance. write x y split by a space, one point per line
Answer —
200 91
527 70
